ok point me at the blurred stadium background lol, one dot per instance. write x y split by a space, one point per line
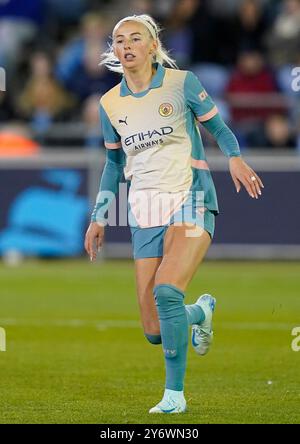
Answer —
63 317
51 151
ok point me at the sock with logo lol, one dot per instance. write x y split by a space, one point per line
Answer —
174 333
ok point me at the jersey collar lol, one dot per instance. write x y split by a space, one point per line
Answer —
156 82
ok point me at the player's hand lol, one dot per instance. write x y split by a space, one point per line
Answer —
243 174
94 239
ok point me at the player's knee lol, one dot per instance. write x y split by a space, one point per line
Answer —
167 295
153 339
165 277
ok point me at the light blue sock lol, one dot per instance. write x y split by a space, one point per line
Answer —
195 314
174 333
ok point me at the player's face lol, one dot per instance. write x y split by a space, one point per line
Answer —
133 45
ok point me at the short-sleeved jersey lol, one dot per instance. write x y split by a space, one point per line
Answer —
158 131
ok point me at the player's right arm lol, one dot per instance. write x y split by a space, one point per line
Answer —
110 179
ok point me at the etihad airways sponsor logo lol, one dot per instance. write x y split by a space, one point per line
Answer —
145 145
148 135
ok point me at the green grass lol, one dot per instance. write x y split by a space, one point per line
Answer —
76 352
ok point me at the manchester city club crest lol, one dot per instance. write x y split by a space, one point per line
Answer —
165 109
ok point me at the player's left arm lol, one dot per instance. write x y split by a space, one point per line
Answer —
240 171
207 113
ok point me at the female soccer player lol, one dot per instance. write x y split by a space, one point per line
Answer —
150 126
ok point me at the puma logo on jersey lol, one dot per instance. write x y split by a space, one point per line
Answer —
123 121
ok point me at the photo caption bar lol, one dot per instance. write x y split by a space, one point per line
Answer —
138 432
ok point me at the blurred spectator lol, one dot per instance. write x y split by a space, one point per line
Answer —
43 100
242 31
83 132
163 9
90 117
272 10
178 34
15 140
276 133
93 32
250 89
250 26
206 34
218 38
6 109
230 7
119 9
19 23
140 7
89 77
68 11
284 38
62 21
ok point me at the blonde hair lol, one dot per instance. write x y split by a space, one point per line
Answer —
161 55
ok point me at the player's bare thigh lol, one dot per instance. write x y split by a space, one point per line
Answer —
145 271
184 248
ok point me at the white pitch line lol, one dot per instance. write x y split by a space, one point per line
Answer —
73 323
131 323
255 325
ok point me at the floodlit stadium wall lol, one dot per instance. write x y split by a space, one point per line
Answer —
46 203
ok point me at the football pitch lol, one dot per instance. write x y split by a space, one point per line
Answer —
75 350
